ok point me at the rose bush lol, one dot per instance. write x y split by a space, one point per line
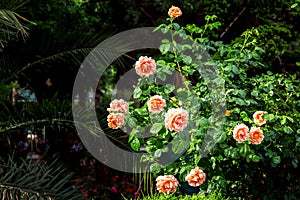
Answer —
243 163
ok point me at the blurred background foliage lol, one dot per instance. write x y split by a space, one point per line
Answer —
43 42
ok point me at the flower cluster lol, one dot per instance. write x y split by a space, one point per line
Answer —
168 184
241 131
176 119
117 109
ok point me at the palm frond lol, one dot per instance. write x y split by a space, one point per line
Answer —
41 180
13 4
11 27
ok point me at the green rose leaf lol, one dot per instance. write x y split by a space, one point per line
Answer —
235 69
287 129
162 76
255 158
244 150
244 116
178 145
222 137
157 153
132 135
168 88
132 122
155 167
135 144
276 160
187 60
164 48
156 127
137 92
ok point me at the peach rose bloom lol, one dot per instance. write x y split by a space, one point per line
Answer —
145 66
196 177
174 12
176 119
166 184
240 133
258 118
156 104
115 120
256 135
118 106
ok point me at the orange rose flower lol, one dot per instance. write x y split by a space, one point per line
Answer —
156 104
240 133
118 106
115 120
145 66
174 12
176 119
256 135
196 177
227 114
258 118
166 184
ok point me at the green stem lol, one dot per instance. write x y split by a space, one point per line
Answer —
205 27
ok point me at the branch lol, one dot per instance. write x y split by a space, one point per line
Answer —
235 19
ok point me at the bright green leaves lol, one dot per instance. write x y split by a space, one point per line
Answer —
253 157
287 129
244 149
179 145
134 140
155 128
192 28
135 144
137 92
244 116
168 88
165 48
276 160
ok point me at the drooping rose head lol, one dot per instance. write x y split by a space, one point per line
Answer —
115 120
240 133
166 184
256 135
118 105
258 118
145 66
196 177
174 12
176 119
156 104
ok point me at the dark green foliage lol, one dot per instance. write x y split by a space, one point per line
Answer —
42 180
63 33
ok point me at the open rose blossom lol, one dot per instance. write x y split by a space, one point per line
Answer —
256 135
196 177
118 106
115 120
258 118
174 12
176 119
166 184
156 104
145 66
240 133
